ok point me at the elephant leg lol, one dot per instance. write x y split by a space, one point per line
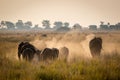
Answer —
24 56
19 54
93 52
30 56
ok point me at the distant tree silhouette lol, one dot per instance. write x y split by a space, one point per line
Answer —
104 26
3 23
0 26
58 24
92 27
117 26
20 24
112 27
66 24
46 24
77 26
118 23
27 25
36 26
101 23
108 24
60 27
10 25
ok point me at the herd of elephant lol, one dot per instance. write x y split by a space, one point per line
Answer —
28 51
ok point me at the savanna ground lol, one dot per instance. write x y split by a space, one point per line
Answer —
79 66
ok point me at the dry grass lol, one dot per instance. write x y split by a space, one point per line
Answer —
78 67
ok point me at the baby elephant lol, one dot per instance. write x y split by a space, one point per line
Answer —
49 54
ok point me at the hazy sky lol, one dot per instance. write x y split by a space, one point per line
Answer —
84 12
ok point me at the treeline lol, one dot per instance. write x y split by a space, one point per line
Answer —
57 26
20 25
103 26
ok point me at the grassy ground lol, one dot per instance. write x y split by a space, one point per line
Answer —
105 67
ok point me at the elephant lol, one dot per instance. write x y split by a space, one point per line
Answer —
27 51
64 52
95 46
28 54
49 54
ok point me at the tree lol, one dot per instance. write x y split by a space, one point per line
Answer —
117 26
27 25
58 25
10 25
46 24
36 26
108 24
101 23
66 24
92 27
77 26
20 24
3 25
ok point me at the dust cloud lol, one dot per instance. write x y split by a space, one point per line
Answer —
78 47
77 43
